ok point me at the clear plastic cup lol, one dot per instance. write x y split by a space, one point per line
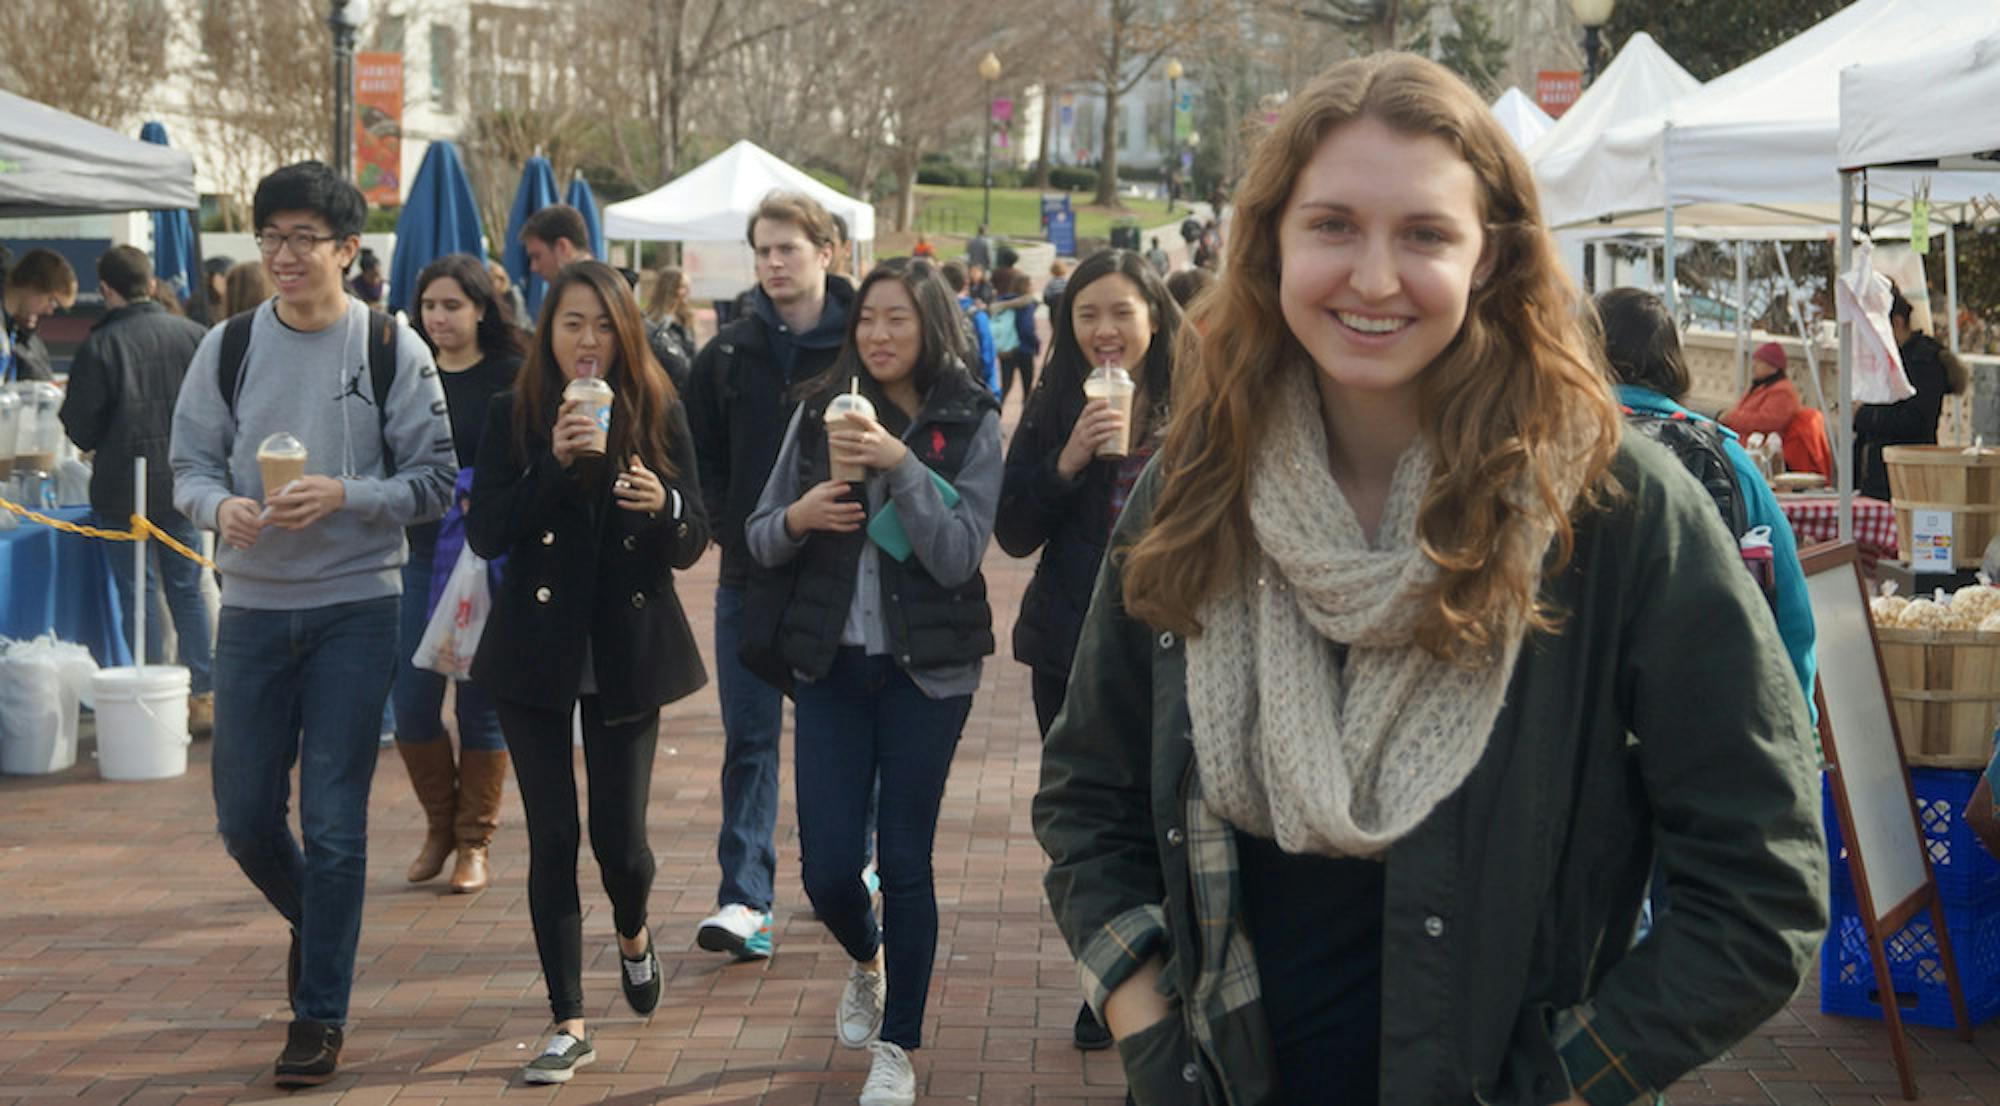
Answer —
837 410
281 459
1113 384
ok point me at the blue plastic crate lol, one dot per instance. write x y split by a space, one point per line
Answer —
1964 871
1847 976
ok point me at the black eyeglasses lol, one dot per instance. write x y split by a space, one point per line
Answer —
302 242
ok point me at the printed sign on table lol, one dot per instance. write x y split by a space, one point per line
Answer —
1930 541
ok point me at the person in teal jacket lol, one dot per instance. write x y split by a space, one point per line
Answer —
1643 350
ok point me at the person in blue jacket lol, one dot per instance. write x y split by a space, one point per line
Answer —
988 369
1643 350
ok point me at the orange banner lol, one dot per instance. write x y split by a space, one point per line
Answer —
378 127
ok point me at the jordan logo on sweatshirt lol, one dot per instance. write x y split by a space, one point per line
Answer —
354 387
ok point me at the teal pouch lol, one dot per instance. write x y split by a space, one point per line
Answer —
886 528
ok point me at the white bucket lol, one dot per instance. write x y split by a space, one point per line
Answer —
142 722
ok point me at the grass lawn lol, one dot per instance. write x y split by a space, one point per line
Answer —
1017 212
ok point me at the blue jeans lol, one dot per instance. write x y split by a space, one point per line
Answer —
752 713
419 694
180 578
866 718
304 687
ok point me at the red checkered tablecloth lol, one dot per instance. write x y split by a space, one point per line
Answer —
1816 518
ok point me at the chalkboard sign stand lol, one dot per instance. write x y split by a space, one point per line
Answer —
1869 744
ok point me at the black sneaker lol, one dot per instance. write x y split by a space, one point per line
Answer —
1091 1034
641 979
560 1059
292 971
311 1056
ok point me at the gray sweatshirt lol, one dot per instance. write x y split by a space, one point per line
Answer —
948 541
316 387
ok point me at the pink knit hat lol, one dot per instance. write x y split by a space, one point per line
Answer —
1772 354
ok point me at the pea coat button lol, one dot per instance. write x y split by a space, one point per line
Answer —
631 543
1167 639
681 531
548 537
1175 837
1433 926
1190 1073
542 595
638 599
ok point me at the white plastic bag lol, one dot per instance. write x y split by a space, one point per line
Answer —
1861 296
41 682
452 636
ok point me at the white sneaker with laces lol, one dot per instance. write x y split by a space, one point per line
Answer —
891 1080
739 930
861 1003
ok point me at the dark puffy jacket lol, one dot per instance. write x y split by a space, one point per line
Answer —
120 403
1934 372
740 398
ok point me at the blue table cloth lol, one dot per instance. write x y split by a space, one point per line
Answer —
50 580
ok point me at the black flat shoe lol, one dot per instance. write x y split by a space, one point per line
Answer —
641 979
1090 1034
311 1056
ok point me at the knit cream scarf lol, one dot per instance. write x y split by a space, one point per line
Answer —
1325 757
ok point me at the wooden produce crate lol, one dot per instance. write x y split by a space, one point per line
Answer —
1945 688
1952 478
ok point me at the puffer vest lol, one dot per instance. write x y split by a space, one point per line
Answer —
929 625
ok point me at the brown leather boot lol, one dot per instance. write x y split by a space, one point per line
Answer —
436 781
482 778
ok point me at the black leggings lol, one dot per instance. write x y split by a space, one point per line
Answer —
618 762
1020 362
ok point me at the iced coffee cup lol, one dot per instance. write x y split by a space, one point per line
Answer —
851 402
596 397
1113 384
282 460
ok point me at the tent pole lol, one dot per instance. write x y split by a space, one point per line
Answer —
1951 283
1799 324
1742 319
1843 428
1673 300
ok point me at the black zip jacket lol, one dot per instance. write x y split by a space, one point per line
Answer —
120 404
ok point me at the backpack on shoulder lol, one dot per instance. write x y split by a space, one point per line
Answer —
381 365
1698 445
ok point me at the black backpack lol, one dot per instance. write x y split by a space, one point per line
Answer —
1697 444
381 365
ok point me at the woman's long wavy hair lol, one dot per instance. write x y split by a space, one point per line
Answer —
496 333
1514 407
1062 378
641 394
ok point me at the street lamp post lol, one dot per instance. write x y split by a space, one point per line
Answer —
345 19
1593 14
1174 72
989 71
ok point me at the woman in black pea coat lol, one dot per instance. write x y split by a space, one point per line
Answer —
586 612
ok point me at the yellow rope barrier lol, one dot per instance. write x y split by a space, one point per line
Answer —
140 529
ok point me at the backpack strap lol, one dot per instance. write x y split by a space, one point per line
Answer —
235 347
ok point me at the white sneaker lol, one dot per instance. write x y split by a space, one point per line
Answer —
891 1081
861 1009
738 930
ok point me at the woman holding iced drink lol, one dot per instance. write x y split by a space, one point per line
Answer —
885 631
1073 461
1404 669
594 501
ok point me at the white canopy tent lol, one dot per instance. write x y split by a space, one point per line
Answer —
1566 159
1522 119
1757 146
713 201
1931 109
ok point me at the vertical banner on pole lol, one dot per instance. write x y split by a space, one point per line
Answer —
378 127
1003 119
1183 117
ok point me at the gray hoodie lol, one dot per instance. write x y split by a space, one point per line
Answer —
316 387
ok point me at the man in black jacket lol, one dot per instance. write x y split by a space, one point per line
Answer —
120 404
740 399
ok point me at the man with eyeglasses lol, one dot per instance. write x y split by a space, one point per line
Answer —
306 644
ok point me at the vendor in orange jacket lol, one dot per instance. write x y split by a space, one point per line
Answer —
1771 404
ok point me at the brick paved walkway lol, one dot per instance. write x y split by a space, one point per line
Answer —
137 966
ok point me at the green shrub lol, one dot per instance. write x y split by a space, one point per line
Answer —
1073 178
942 175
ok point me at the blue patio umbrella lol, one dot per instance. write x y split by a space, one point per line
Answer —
536 191
439 217
173 233
581 198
